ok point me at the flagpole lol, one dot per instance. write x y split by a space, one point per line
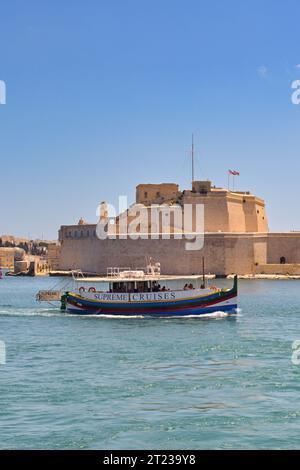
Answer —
193 175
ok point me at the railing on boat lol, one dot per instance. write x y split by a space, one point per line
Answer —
134 273
77 274
115 271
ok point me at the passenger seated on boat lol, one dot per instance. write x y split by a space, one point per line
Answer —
164 289
191 286
186 287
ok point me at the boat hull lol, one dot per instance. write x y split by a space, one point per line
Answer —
173 304
229 309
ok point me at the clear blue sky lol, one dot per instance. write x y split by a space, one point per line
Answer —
105 94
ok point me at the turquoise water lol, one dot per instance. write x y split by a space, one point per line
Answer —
92 383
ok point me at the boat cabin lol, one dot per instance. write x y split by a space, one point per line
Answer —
130 282
138 286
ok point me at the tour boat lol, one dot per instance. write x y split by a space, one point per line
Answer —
136 293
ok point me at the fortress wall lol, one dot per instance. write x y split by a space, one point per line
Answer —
156 193
250 214
243 252
216 217
224 254
236 215
97 255
255 214
283 244
261 215
236 236
278 269
260 250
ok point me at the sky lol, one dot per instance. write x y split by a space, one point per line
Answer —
102 95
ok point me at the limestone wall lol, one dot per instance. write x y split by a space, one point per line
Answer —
281 269
285 245
156 193
224 254
236 215
230 212
216 216
235 226
53 256
7 257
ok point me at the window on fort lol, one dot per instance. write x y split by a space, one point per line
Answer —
88 233
145 194
158 194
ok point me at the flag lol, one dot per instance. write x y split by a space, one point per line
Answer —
234 172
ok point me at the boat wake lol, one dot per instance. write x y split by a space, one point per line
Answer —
54 312
213 315
31 312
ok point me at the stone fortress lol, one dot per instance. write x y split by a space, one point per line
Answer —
236 237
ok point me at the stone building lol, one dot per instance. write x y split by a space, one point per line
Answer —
7 258
53 256
236 236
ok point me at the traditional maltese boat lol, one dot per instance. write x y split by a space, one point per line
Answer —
136 293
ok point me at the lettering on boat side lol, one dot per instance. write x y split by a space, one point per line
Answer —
116 297
2 92
296 352
142 297
2 353
153 296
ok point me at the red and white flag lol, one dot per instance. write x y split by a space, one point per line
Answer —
234 172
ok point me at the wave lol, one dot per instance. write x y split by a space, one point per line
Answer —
31 313
46 312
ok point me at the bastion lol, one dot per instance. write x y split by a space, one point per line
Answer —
235 233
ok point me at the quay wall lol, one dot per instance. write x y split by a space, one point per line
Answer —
280 269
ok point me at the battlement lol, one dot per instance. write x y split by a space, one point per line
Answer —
148 194
224 210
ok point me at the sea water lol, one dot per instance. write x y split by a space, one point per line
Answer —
72 382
